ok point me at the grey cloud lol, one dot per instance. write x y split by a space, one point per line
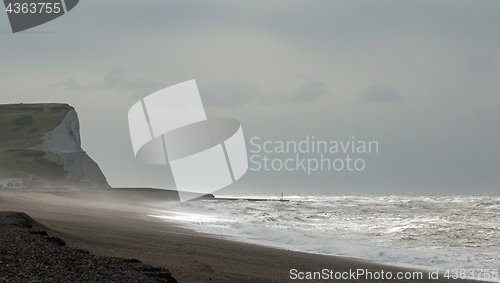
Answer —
300 76
354 21
479 63
379 94
5 74
69 84
229 95
233 95
309 92
118 79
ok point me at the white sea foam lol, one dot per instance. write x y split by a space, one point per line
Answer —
440 231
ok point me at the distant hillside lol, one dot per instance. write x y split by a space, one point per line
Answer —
40 143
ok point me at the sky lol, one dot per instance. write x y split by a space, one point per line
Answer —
418 77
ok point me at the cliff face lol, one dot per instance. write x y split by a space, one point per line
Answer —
65 137
40 143
63 146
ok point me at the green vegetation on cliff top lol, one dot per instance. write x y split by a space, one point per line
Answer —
21 127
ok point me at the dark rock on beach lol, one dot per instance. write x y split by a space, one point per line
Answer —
29 253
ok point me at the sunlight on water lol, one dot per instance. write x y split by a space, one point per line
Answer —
188 217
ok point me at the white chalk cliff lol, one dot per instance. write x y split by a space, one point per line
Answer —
63 146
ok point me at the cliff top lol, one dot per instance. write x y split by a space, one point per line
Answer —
23 125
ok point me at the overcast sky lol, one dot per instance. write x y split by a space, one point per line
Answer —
419 77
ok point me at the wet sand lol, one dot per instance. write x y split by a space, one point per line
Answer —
115 224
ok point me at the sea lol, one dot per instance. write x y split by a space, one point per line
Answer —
445 232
